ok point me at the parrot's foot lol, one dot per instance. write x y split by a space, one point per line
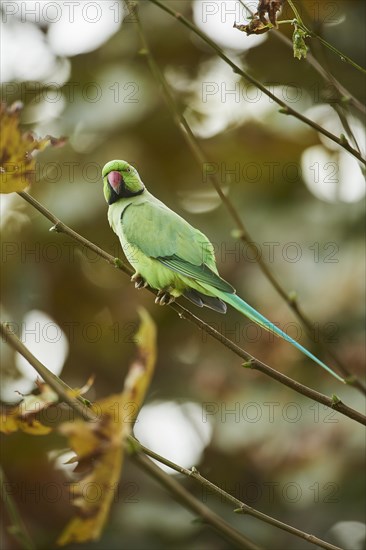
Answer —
139 281
163 298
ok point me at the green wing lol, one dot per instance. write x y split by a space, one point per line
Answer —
161 234
200 273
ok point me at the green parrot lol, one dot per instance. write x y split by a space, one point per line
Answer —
170 255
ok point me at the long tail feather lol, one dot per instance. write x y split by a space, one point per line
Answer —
253 315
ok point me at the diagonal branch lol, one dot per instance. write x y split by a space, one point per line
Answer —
17 527
193 504
241 507
65 393
250 361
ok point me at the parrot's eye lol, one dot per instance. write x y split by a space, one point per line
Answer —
114 179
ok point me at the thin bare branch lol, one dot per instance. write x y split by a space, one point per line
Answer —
193 504
241 507
17 527
285 109
64 392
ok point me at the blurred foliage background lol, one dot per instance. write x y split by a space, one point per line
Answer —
302 200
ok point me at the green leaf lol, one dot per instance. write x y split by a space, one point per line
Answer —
298 42
335 399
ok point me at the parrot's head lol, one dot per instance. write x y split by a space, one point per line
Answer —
120 181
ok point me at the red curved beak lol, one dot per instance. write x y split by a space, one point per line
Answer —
114 179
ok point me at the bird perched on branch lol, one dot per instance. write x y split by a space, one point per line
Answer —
170 255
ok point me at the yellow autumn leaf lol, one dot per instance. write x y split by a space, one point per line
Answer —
99 445
33 427
8 422
12 421
141 371
22 416
18 150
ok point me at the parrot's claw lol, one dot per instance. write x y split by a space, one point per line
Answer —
140 284
139 281
163 298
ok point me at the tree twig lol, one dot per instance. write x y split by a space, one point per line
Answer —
250 361
255 364
285 109
64 392
241 507
193 504
312 34
17 528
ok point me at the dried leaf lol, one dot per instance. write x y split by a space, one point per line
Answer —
259 23
18 150
270 8
22 417
256 26
142 369
99 445
12 421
